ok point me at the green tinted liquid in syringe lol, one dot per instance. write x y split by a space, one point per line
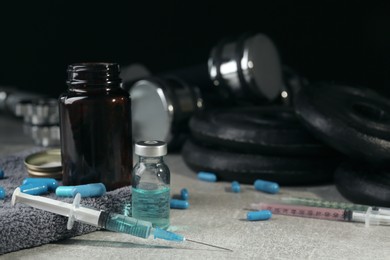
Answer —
123 224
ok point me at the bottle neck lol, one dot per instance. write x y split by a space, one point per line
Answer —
145 159
93 76
98 89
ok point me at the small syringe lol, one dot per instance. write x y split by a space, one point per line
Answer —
98 218
311 202
369 217
333 204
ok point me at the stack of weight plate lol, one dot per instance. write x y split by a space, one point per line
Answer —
332 129
356 122
249 143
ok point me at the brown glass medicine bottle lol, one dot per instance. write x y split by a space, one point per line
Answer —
95 122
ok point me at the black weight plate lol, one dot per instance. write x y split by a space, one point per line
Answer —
271 130
363 184
355 121
246 168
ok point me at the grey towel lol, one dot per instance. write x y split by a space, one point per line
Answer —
23 226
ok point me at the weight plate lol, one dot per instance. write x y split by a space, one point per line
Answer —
271 130
246 168
355 121
363 184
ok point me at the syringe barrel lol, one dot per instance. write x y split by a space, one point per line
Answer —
304 211
54 206
311 202
74 211
123 224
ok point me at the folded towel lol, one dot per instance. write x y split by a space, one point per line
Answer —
22 226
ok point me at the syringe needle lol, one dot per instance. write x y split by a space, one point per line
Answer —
190 240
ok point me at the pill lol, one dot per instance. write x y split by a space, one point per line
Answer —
259 215
65 191
267 186
34 188
179 204
51 183
207 176
2 193
86 190
236 187
1 174
184 194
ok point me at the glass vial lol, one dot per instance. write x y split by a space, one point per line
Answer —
95 122
151 184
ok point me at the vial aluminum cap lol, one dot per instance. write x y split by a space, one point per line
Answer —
152 148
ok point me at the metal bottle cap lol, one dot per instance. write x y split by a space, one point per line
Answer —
45 164
150 148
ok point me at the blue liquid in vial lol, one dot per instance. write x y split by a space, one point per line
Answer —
151 205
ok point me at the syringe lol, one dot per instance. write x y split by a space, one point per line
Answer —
333 204
98 218
311 202
370 217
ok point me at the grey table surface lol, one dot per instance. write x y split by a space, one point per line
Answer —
217 216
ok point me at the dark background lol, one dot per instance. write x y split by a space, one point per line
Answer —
343 42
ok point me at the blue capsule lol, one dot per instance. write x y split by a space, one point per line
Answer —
236 187
179 204
34 188
267 186
51 183
1 174
259 215
184 194
2 193
87 190
207 176
65 191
